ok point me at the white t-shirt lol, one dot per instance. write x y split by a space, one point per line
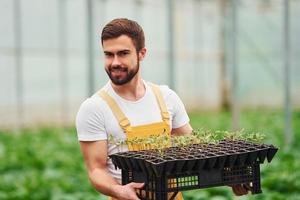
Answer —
95 120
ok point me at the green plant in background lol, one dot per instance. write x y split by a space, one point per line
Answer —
46 164
43 164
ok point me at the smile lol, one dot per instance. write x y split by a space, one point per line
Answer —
118 69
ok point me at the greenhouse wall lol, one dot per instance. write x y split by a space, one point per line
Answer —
44 60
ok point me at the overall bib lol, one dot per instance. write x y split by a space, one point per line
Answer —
141 131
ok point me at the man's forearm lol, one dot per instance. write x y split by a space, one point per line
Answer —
103 182
184 130
107 185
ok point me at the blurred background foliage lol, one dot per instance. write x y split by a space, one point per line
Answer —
46 163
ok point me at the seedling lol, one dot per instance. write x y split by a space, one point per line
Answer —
164 140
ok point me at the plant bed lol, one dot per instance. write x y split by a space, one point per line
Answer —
194 166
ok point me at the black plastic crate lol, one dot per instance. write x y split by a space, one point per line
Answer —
193 167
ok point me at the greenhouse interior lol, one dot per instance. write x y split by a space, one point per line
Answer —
234 64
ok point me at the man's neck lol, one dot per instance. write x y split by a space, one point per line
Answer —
132 91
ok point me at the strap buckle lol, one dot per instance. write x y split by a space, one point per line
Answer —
124 123
165 115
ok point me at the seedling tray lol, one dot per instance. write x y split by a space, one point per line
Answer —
192 167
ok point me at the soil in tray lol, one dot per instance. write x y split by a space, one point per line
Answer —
196 156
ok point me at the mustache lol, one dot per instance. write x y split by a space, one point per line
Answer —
118 67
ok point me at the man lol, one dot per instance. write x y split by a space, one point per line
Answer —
126 107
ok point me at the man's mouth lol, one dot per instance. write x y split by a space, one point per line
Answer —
121 75
117 71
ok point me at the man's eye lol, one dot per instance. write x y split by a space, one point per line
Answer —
123 53
108 55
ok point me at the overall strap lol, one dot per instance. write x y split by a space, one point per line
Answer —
122 119
162 105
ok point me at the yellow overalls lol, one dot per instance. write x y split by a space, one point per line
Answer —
141 131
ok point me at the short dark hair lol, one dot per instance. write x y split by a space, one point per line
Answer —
123 26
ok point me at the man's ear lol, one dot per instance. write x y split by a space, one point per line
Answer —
142 54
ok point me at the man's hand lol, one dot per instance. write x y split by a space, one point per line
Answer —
241 189
127 192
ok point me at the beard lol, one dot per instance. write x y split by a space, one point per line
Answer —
116 74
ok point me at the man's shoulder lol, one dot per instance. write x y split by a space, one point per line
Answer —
165 89
95 101
92 104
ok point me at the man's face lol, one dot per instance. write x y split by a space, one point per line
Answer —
121 59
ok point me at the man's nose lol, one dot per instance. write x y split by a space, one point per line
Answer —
116 61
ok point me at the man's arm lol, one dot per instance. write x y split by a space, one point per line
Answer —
183 130
95 156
